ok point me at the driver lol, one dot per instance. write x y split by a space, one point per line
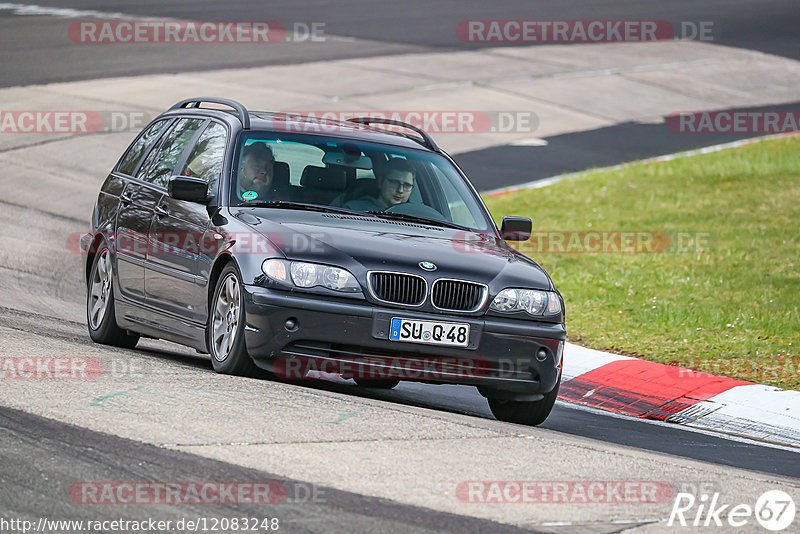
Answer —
255 176
394 187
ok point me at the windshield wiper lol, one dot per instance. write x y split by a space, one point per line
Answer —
298 206
332 209
417 219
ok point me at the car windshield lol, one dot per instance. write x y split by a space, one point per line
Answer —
402 183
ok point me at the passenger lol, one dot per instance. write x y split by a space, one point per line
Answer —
394 187
255 174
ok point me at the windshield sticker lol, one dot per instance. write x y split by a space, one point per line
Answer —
249 195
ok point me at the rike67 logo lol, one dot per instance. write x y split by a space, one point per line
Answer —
774 510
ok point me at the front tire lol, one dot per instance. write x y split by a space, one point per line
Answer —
225 332
100 315
531 413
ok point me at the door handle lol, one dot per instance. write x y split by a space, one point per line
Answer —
161 211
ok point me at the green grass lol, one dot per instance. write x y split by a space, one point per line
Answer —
730 306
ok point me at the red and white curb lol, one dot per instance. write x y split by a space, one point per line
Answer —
656 391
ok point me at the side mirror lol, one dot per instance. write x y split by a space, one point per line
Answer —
516 228
188 188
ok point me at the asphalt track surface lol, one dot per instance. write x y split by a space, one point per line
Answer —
566 417
35 450
39 457
37 50
510 165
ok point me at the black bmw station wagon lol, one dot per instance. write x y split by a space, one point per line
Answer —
286 245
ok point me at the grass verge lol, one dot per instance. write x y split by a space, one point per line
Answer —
714 284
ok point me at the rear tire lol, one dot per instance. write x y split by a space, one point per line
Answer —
376 384
100 315
225 331
531 413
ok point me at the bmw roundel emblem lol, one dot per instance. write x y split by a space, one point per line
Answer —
428 266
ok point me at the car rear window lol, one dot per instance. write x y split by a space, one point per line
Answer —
160 163
130 161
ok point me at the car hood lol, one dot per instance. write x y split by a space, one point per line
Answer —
362 244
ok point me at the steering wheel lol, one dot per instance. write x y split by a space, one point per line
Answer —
416 209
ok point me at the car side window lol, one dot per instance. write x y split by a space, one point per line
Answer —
160 163
135 153
206 158
459 211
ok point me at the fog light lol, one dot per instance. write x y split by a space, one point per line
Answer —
290 324
541 355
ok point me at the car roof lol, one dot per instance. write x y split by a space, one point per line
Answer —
265 121
276 121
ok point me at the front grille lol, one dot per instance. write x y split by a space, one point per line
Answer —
458 295
398 288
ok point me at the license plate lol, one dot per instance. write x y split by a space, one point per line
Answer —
430 332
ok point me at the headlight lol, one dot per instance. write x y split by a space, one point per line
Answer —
533 301
275 269
303 274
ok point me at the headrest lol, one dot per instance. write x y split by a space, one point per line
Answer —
280 174
329 178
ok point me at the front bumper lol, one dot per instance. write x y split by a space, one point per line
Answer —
351 337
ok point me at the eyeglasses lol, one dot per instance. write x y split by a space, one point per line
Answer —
397 184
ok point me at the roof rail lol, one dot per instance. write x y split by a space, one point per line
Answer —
426 139
244 115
